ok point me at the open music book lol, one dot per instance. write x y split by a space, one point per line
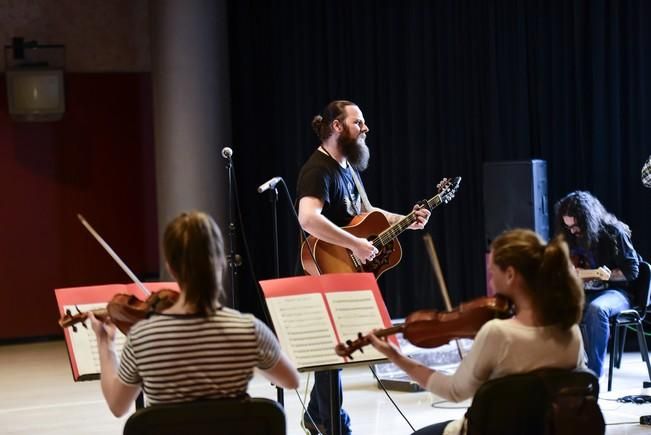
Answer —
312 314
81 345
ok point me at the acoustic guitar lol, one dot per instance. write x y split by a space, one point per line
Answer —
374 227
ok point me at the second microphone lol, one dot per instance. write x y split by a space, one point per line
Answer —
271 184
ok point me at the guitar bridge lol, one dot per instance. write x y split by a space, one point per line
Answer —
359 267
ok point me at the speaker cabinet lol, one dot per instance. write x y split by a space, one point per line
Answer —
515 196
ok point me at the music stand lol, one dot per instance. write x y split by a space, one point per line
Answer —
326 310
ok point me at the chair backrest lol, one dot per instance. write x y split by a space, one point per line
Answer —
542 402
640 288
249 416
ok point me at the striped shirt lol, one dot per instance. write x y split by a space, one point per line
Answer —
179 358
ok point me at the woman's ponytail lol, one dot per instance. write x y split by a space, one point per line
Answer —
554 288
557 290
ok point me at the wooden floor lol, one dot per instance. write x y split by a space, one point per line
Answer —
38 396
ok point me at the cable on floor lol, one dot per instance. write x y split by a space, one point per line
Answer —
390 398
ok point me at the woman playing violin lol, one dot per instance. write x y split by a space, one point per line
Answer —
548 299
197 348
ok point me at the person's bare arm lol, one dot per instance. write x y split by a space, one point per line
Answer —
119 396
313 221
283 374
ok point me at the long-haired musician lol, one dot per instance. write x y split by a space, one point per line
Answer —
597 239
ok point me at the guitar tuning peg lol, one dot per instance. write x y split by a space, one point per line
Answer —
74 328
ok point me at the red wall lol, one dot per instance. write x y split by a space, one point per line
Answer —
97 161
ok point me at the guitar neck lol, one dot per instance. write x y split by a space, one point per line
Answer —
396 229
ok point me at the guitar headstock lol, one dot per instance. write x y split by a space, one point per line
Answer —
603 273
447 188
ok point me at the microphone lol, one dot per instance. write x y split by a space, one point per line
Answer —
271 184
227 152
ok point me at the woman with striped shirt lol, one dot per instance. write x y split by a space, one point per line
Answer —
196 349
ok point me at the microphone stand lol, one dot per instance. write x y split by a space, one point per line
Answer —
335 400
273 198
234 260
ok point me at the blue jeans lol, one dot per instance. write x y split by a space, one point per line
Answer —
600 306
319 406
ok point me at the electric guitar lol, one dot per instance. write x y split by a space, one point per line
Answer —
601 273
374 227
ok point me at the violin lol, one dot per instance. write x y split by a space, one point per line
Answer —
431 328
125 310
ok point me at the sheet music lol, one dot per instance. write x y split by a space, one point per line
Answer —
304 329
84 342
356 312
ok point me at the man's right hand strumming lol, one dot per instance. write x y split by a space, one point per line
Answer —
364 250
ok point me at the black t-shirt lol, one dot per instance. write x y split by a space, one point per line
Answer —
322 177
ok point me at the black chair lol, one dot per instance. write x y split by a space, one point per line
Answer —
249 416
640 290
542 402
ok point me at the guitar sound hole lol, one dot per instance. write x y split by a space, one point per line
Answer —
381 258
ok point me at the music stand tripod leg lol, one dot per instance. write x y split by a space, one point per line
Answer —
335 402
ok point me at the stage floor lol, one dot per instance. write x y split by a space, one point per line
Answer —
39 397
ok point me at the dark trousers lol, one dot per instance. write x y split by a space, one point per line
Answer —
319 406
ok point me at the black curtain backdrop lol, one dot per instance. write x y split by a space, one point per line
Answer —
444 86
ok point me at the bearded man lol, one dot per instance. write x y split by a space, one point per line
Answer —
597 238
330 194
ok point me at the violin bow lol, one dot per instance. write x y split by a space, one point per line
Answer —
434 259
112 253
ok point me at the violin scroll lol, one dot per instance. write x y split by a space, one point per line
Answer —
346 350
70 320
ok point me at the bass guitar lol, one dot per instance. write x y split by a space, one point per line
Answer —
374 227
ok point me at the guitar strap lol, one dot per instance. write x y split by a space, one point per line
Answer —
366 205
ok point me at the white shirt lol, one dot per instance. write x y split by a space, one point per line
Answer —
504 347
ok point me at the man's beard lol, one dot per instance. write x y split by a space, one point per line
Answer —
355 151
